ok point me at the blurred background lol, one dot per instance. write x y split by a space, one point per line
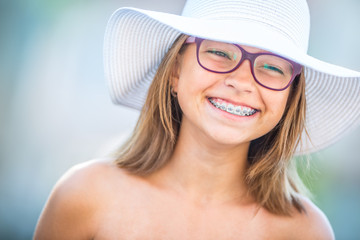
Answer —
55 110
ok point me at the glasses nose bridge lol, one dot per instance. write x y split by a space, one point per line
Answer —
245 55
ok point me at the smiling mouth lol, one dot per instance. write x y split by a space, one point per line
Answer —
231 108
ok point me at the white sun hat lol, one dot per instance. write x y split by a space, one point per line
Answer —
136 40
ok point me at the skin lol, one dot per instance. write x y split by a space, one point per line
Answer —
200 193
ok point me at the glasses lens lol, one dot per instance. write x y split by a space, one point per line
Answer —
272 71
218 56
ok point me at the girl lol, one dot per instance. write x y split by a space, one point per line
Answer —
224 108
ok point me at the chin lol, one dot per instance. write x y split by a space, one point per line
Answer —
230 140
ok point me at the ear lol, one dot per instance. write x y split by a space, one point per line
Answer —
175 75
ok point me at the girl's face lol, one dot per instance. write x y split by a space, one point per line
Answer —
207 100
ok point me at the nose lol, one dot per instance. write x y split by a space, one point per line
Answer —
242 78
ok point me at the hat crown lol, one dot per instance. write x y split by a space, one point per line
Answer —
289 17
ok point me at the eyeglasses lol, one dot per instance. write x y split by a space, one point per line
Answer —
269 70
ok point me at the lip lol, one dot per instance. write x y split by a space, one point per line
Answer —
235 103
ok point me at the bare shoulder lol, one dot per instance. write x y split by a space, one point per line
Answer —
312 224
84 182
91 175
70 212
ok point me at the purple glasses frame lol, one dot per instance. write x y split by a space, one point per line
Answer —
251 57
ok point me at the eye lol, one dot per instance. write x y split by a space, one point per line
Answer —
273 68
220 53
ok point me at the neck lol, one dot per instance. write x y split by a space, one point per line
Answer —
206 171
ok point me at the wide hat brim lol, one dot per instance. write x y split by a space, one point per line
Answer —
136 41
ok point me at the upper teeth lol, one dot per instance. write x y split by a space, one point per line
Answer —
230 108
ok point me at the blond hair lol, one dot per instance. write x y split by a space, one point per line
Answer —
271 178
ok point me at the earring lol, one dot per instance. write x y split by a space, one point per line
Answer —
173 93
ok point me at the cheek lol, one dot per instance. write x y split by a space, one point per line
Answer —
193 81
190 94
275 103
